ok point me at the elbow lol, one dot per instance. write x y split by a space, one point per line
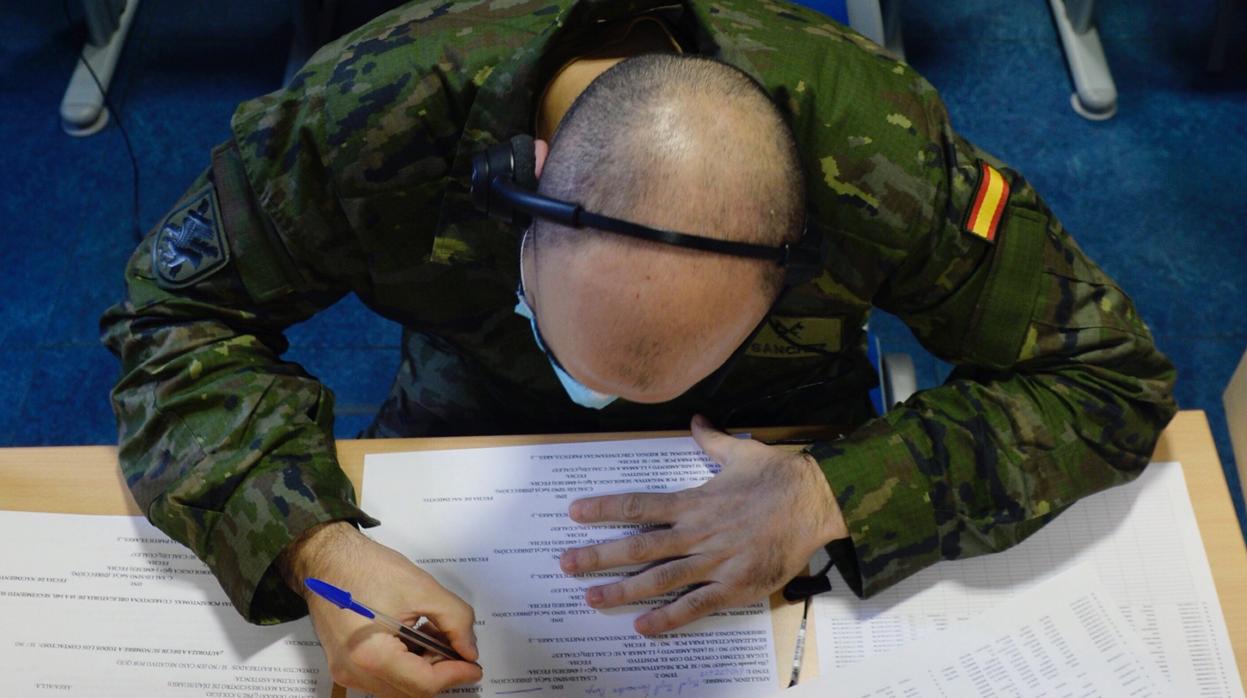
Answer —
1144 408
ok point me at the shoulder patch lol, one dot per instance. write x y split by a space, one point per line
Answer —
990 198
190 245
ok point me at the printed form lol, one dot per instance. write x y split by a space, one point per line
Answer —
108 606
1064 639
490 524
1143 544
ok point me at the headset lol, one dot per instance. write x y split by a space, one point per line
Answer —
504 185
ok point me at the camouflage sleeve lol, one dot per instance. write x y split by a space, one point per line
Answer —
325 186
1058 391
227 448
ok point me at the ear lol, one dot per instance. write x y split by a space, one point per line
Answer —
540 150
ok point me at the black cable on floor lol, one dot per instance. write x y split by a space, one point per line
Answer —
116 115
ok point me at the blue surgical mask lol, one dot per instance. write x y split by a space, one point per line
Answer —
577 391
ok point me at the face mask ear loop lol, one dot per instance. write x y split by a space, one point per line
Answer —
523 244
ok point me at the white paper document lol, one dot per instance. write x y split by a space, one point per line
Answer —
103 606
490 524
1141 540
1064 639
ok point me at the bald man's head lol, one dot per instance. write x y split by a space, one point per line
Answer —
674 142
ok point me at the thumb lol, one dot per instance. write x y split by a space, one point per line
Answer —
717 444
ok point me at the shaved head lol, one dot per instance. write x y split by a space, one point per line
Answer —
673 142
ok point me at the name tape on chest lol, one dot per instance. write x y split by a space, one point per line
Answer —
796 338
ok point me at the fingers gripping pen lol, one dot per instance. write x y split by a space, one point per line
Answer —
416 641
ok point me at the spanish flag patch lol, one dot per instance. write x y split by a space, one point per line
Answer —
989 204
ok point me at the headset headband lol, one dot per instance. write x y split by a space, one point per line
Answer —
575 216
497 188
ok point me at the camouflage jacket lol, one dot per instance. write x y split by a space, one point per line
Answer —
354 179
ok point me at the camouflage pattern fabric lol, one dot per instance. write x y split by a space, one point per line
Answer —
354 179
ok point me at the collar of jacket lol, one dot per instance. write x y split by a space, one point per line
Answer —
503 107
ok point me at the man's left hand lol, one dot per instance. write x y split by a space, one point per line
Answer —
736 538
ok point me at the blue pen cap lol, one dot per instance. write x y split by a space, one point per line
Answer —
338 597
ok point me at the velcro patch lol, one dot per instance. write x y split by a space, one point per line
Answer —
983 218
191 244
796 338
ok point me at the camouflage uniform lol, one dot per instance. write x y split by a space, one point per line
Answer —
354 179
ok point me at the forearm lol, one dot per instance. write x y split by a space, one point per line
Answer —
976 466
235 465
225 447
1063 401
311 550
1058 392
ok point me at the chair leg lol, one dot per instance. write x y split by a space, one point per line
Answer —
1095 94
83 108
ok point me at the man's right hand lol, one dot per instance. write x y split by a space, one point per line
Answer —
361 654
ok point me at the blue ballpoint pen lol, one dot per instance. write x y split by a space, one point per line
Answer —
415 640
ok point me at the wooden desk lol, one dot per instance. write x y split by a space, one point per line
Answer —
85 480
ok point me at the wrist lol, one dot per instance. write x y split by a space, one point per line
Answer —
833 526
308 554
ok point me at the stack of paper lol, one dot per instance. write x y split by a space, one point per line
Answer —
1142 543
106 606
1063 639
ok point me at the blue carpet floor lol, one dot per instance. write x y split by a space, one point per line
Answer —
1157 195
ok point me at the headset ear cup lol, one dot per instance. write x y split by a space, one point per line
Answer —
524 157
499 160
479 184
